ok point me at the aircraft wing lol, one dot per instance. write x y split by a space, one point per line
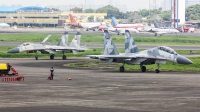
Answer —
45 39
111 56
125 57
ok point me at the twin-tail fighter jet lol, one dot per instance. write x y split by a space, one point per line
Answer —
157 55
61 47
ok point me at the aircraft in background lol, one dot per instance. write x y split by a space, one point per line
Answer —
137 26
61 47
157 55
87 25
121 30
4 25
159 31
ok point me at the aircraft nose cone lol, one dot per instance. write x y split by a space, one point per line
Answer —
14 50
183 60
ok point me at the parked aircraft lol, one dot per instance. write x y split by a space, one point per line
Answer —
61 47
157 55
87 25
121 30
115 24
160 31
4 25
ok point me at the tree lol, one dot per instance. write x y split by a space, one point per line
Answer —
89 11
56 9
91 19
76 9
105 9
192 12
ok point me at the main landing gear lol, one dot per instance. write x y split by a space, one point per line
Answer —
121 69
36 55
64 57
52 56
143 68
158 67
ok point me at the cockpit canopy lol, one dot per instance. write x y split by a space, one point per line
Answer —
24 44
167 49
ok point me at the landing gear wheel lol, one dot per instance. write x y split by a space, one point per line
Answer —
121 69
155 34
36 58
64 57
52 57
87 30
143 69
157 71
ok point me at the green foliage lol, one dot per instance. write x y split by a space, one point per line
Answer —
89 11
77 9
192 12
98 39
105 9
91 19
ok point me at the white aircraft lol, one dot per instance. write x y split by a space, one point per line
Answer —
61 47
160 31
121 30
4 25
157 55
87 25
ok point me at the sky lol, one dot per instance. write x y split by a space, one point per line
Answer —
131 5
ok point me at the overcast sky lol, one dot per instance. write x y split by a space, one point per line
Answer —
130 4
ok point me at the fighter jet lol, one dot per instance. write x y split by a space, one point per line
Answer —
157 55
159 31
61 47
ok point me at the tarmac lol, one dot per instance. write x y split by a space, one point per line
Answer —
96 90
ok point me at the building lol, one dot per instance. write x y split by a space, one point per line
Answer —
34 16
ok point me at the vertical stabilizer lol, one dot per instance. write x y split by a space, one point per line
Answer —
76 41
64 40
72 20
106 37
45 39
114 21
110 48
130 46
155 25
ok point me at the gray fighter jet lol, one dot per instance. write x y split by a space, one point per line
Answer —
61 47
157 55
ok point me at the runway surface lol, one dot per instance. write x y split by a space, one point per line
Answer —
82 31
97 90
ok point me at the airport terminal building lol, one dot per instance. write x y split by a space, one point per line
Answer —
34 16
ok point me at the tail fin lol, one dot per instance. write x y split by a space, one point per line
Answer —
155 25
106 37
130 46
146 27
72 20
76 41
114 22
45 39
64 40
110 48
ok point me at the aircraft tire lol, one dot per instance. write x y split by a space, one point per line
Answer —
36 58
121 69
51 57
64 57
157 71
143 69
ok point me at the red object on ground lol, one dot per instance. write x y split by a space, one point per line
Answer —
69 78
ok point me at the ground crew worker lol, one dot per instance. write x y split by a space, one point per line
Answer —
51 71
